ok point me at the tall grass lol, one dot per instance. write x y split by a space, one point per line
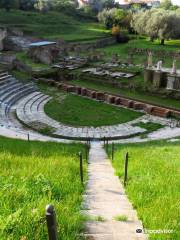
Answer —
154 184
33 175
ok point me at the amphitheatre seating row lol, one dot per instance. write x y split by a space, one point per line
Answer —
11 92
30 111
114 99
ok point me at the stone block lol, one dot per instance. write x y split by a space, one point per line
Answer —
148 75
78 90
157 79
160 112
93 94
64 87
126 102
100 96
177 83
139 106
71 89
148 109
117 100
59 85
110 98
83 91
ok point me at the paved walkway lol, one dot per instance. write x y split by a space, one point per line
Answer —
105 198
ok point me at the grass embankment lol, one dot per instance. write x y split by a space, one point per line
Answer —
142 96
32 175
78 111
54 25
154 184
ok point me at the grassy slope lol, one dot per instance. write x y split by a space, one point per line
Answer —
53 25
154 184
33 175
78 111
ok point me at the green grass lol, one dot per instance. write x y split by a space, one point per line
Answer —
32 175
149 126
122 50
169 102
22 56
53 25
153 184
121 218
77 111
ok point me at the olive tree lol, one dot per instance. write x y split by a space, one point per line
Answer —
157 24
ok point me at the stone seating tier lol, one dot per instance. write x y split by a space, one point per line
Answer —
31 111
17 88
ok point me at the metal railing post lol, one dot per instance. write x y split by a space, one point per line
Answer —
126 169
81 167
51 222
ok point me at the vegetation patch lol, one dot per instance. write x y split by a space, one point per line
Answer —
78 111
153 184
121 218
149 126
32 175
54 25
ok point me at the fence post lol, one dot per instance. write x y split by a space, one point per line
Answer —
87 152
28 137
51 222
112 151
104 139
126 169
81 167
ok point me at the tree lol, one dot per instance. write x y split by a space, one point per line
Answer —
42 5
157 23
166 4
110 17
27 5
7 4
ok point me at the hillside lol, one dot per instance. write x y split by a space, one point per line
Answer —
53 25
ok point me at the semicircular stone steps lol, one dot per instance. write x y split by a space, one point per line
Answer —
10 93
31 110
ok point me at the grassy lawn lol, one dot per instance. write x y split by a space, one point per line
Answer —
169 102
53 25
35 174
154 184
77 111
122 50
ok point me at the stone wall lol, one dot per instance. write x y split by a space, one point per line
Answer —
114 99
3 35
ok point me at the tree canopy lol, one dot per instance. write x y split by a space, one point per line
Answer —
157 24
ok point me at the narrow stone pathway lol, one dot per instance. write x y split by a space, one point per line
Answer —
105 200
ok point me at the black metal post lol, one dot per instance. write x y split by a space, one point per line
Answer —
28 137
87 152
51 222
126 169
81 167
104 141
107 146
112 151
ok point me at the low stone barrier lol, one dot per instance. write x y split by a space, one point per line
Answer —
114 99
139 106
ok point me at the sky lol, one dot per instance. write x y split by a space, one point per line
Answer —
177 2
